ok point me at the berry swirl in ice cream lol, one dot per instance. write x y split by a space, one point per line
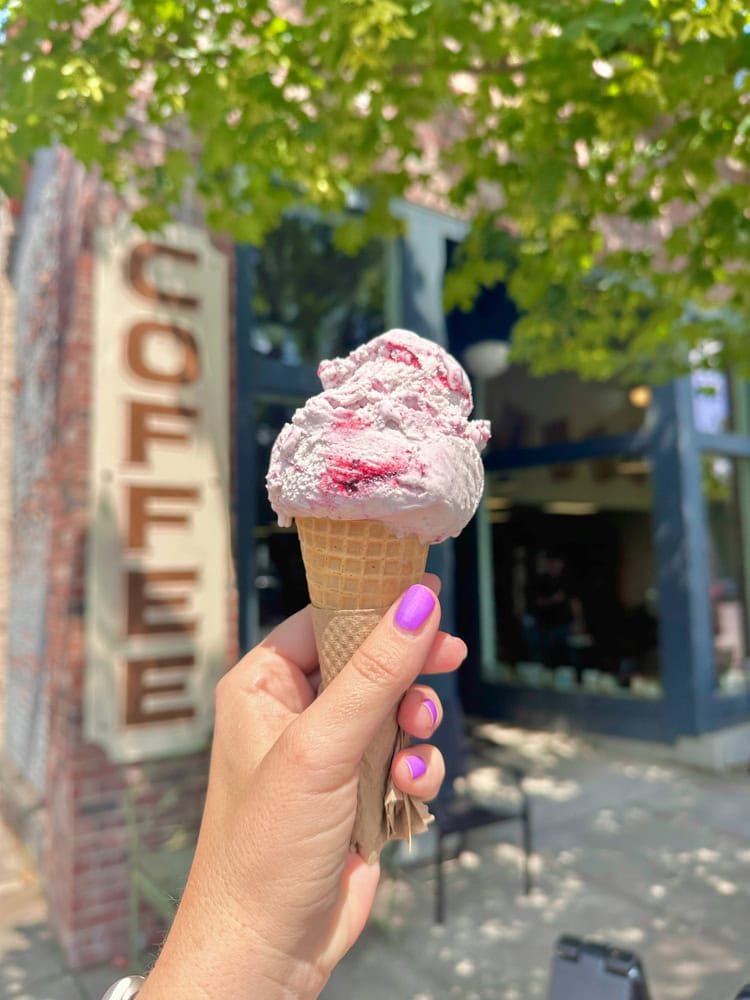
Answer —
387 440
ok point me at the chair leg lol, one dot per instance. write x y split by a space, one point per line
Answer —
527 845
134 929
439 884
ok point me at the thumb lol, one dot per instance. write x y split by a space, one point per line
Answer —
345 717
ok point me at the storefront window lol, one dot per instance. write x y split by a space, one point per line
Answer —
726 482
531 412
574 577
280 578
312 300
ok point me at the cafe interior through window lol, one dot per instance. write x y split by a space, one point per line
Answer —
575 601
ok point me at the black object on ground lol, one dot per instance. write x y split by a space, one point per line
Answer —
591 970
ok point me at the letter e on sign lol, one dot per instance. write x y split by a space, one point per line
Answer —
157 604
156 690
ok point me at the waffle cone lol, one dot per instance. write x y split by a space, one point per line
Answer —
355 570
357 564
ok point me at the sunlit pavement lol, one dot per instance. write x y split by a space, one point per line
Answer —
650 856
645 855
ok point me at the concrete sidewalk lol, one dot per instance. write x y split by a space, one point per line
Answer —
647 855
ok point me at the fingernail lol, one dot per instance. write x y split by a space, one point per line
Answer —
415 607
431 707
416 765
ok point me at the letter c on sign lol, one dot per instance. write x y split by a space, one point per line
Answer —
143 283
187 371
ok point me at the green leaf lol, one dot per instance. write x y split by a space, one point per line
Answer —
151 218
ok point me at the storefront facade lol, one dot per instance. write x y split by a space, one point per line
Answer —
603 580
642 534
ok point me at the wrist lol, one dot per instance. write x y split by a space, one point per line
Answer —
211 980
209 959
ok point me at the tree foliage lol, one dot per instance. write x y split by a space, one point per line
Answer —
600 147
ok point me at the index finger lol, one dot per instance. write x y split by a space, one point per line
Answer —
294 640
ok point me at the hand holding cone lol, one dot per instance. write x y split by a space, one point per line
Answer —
355 571
374 469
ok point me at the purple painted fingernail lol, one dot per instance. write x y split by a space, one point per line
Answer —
430 705
416 765
415 607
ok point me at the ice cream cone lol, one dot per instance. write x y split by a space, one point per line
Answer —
355 570
379 465
357 564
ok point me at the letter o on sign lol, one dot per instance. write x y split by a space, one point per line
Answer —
187 370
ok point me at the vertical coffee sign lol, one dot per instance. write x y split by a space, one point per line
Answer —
158 553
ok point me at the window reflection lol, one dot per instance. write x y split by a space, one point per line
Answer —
574 567
725 484
312 300
712 402
531 412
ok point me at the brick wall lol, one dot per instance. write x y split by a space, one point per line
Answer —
84 861
7 356
37 281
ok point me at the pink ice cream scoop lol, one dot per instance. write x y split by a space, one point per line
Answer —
388 439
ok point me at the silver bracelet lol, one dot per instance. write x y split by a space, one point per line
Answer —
124 989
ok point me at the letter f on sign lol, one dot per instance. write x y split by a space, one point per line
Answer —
142 515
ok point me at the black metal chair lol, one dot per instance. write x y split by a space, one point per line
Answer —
459 814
